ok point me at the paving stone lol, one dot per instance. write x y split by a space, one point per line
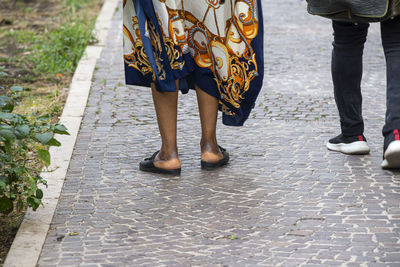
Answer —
283 200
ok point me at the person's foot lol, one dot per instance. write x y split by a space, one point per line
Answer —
391 154
351 145
213 160
213 156
210 151
167 162
209 156
157 164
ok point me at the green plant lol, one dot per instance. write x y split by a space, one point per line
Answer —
23 138
76 3
2 71
61 50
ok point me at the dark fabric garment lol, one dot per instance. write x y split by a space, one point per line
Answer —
371 8
390 31
347 67
355 10
247 67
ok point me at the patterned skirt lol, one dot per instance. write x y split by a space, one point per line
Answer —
214 44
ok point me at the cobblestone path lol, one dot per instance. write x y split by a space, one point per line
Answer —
284 200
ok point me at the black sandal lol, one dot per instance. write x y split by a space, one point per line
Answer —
147 165
214 165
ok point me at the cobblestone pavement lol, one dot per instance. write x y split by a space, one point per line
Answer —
284 200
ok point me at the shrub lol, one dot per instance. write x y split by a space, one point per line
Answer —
24 141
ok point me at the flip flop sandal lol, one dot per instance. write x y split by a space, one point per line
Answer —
147 165
214 165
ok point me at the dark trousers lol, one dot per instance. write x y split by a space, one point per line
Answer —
348 45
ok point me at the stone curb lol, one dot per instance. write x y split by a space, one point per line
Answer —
26 248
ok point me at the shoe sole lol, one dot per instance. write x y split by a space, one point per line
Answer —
355 148
212 166
160 171
392 156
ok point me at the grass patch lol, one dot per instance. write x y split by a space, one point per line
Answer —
76 4
21 36
46 42
61 50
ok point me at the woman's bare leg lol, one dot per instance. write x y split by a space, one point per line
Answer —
166 105
208 109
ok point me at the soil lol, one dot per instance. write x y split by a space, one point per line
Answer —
35 15
8 229
39 16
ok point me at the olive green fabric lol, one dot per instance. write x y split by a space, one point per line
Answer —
355 10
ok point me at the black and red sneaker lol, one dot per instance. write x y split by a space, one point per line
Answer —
352 145
391 154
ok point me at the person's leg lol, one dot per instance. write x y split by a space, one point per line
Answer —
347 53
390 31
208 109
166 108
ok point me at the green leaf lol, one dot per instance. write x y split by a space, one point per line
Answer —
12 178
39 194
37 201
16 89
10 117
6 104
20 204
5 126
8 134
6 205
22 131
31 189
19 171
3 185
33 202
43 117
43 181
44 155
61 129
8 147
4 179
53 142
44 138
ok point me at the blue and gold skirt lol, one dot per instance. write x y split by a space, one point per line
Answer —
214 44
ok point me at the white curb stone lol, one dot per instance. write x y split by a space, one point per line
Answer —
26 248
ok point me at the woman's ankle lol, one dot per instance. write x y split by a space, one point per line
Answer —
207 145
167 153
210 151
167 160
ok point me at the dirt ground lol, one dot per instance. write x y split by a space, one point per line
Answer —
36 15
8 229
39 16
